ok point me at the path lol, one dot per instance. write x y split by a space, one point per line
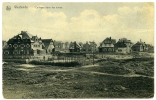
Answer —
77 69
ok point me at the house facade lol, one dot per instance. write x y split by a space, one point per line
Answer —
107 45
74 47
23 45
123 46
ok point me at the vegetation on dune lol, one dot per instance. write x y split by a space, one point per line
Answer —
47 81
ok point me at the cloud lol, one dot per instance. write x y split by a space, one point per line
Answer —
89 25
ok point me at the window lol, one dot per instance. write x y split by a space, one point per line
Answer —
104 49
15 46
6 52
15 52
119 50
109 49
10 45
19 52
27 45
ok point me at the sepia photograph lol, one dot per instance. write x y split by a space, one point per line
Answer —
81 50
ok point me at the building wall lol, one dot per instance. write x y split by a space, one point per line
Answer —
107 49
122 50
50 49
107 45
36 45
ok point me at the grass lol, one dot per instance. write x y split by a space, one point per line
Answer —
47 81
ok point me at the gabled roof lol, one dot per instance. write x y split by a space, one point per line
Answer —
46 42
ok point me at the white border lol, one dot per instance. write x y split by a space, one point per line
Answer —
66 1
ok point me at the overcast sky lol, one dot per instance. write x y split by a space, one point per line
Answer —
81 22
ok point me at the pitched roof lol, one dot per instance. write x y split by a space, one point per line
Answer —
46 42
120 45
23 35
109 40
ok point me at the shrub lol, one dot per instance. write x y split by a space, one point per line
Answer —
65 64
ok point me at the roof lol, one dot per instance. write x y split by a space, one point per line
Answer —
46 42
110 40
71 46
125 40
23 35
120 45
139 44
57 42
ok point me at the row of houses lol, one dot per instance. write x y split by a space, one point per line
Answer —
122 46
25 44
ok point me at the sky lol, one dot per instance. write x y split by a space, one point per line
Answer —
80 22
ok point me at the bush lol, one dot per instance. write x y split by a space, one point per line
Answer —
65 64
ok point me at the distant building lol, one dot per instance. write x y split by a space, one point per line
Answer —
123 46
89 47
58 46
23 45
74 47
48 45
140 46
107 45
61 46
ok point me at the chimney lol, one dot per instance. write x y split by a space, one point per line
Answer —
110 38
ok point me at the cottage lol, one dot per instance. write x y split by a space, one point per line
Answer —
107 45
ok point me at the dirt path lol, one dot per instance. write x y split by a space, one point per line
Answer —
77 69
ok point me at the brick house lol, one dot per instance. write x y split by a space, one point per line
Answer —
107 45
23 45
